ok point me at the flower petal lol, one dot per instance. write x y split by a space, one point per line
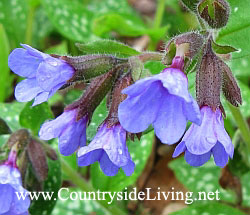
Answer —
40 98
170 123
27 89
137 113
87 155
23 64
55 127
197 160
114 144
107 166
73 137
175 81
202 139
139 86
220 155
181 147
20 205
52 72
192 111
222 135
6 197
129 168
34 52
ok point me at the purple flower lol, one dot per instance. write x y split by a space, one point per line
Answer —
10 184
45 74
163 101
71 133
109 148
200 142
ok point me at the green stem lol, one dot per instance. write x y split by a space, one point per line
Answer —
242 124
86 187
159 13
29 30
157 21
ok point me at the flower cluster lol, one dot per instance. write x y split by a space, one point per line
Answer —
161 101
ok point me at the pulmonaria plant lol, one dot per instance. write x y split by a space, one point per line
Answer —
10 185
163 101
210 138
44 74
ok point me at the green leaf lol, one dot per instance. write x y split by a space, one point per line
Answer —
10 113
131 26
70 18
139 151
4 128
213 208
107 47
219 49
52 184
236 34
107 6
155 67
98 117
77 207
13 15
33 117
42 27
5 81
205 178
60 49
191 4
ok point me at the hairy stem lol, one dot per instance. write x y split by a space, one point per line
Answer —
87 187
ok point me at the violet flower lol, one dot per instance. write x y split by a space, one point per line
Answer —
44 74
10 185
109 148
163 101
71 133
210 138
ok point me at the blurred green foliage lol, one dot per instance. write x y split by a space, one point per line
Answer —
55 26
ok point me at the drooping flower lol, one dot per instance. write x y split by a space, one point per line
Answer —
70 131
163 101
210 138
44 74
109 148
10 185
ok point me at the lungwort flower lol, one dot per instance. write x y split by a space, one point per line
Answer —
200 142
109 148
44 74
10 186
163 101
70 131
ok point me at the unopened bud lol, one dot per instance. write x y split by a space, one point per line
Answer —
117 98
209 79
38 160
214 12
